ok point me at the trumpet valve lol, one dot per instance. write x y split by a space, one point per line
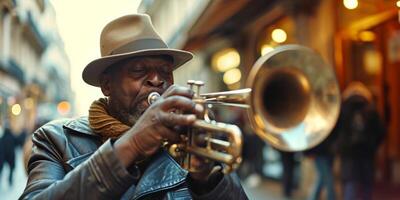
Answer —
176 151
190 83
198 85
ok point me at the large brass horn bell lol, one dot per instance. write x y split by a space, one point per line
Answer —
295 98
293 102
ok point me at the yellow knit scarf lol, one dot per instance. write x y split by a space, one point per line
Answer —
104 124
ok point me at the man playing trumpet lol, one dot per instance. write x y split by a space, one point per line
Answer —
116 152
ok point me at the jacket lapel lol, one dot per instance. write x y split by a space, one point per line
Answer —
162 173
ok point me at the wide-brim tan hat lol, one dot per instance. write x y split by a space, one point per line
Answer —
126 37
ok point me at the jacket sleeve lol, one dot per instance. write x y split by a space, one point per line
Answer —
101 176
228 188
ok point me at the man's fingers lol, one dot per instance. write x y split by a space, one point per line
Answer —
175 90
181 103
169 135
173 119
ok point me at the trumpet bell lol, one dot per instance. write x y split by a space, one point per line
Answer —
295 98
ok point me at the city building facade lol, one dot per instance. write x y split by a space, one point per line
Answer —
34 68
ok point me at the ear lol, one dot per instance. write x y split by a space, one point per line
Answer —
105 84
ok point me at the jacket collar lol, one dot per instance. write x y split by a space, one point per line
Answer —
80 125
161 174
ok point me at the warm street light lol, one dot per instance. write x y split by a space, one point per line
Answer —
232 76
367 36
225 60
350 4
63 107
398 12
372 62
279 35
16 109
266 48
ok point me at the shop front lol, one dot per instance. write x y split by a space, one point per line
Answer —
367 50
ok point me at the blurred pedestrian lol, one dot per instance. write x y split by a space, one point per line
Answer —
323 156
288 178
20 138
7 149
360 132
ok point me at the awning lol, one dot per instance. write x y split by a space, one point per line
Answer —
225 19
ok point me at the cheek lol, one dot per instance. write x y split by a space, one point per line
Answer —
126 91
131 89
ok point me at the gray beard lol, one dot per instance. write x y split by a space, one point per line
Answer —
128 117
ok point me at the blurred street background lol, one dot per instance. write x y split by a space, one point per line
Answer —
45 44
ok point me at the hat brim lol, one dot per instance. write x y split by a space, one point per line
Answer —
94 69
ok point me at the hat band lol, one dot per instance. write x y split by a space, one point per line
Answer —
137 45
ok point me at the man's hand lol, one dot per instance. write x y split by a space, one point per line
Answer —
157 124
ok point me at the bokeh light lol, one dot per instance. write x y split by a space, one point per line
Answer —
63 107
279 35
225 60
266 48
232 76
350 4
16 109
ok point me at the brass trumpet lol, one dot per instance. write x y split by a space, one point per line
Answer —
293 102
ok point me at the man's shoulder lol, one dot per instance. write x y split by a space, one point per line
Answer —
65 122
59 126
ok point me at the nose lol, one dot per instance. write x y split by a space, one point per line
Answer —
155 81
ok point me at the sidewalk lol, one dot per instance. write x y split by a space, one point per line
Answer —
270 190
13 192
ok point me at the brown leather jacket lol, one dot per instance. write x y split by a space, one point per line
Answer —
69 161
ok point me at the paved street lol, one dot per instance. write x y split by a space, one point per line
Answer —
269 190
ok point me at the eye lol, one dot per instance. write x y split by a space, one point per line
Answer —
137 69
